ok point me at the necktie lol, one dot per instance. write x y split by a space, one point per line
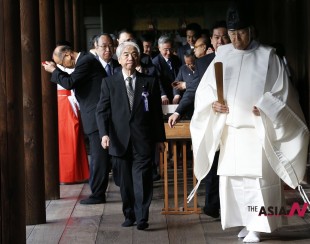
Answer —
108 69
130 91
169 64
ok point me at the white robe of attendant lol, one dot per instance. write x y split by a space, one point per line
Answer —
250 145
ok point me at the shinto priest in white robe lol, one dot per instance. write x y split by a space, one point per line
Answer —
255 151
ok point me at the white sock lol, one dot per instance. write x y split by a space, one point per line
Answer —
253 236
243 233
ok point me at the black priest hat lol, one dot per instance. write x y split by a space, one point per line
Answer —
239 15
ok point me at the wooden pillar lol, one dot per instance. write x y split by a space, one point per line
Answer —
69 22
59 20
76 25
83 39
32 112
49 103
12 196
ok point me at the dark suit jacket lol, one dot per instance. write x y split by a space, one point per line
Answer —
86 81
187 101
166 76
147 65
182 50
115 66
185 74
142 128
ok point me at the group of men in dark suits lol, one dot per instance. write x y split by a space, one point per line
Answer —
192 32
123 126
219 36
134 131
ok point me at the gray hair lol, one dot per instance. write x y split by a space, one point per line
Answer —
121 47
164 39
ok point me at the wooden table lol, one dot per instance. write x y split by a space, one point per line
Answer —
180 134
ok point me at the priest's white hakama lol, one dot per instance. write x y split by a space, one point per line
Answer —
255 151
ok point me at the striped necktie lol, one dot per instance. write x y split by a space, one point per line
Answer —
130 91
169 64
108 69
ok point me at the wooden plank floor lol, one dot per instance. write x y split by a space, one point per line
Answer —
70 222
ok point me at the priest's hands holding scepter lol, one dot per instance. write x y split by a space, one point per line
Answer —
223 108
220 108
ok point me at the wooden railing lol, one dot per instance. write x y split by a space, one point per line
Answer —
177 140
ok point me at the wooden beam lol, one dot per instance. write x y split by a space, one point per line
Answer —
49 103
32 112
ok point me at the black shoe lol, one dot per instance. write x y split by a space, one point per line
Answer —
213 214
92 201
128 222
142 226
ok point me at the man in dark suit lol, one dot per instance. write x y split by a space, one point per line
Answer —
104 48
147 41
130 121
193 32
167 67
145 62
186 76
219 37
86 81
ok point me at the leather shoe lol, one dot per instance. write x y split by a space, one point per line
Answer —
142 226
92 201
128 223
213 214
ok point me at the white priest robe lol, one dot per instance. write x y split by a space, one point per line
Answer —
250 146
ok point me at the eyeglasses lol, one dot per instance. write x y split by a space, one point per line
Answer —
62 60
242 32
105 46
199 46
168 50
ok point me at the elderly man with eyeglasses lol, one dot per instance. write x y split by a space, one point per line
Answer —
260 129
130 121
104 48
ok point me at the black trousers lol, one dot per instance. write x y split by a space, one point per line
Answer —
100 167
136 184
212 200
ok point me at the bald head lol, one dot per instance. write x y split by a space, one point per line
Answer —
64 56
59 51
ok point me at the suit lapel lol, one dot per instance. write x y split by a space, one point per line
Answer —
122 90
139 86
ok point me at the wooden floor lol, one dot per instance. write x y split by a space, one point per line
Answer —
70 222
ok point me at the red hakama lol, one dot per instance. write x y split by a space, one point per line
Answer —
73 161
